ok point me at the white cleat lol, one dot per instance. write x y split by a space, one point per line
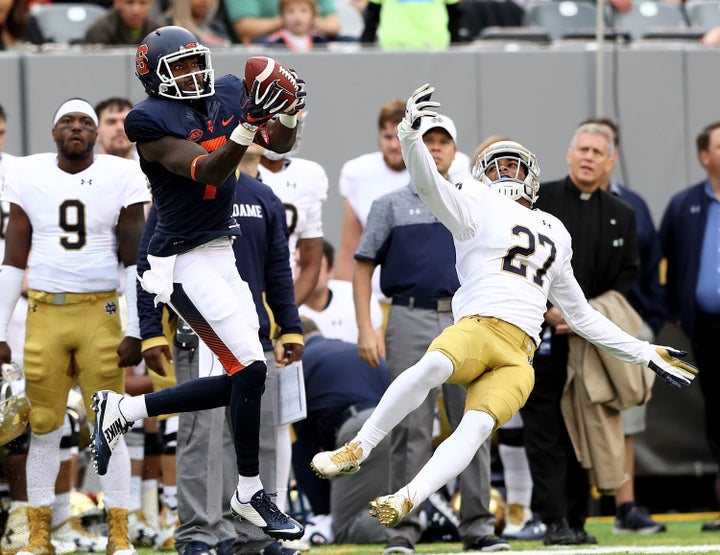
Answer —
345 460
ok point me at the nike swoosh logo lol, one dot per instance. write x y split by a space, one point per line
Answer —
226 122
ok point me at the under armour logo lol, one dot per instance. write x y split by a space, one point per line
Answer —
414 211
110 308
695 209
546 224
85 181
292 185
458 185
33 308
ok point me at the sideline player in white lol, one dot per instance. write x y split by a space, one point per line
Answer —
331 304
302 186
80 214
510 261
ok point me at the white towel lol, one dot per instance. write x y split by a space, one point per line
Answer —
159 278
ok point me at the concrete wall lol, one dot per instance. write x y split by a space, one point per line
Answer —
662 95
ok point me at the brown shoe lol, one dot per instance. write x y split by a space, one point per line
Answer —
39 519
118 536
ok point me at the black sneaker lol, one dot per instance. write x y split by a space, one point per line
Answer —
488 543
196 548
712 526
264 514
276 548
583 537
398 544
635 520
559 533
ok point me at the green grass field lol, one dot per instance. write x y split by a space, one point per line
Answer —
683 532
683 536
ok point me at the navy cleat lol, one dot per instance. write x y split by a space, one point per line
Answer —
110 424
263 513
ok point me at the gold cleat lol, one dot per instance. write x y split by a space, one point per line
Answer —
345 460
390 509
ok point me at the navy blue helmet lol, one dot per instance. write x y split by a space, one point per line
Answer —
156 55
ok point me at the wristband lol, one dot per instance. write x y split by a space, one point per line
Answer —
288 121
11 282
292 338
133 323
244 134
193 165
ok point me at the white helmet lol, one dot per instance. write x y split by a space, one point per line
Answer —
14 406
513 186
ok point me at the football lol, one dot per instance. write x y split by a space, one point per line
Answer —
268 70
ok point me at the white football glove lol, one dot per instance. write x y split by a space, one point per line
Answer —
666 363
418 104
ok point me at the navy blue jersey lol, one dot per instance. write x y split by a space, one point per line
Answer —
262 258
189 213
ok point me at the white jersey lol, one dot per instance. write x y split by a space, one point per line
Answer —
73 218
510 259
337 320
16 326
5 160
302 186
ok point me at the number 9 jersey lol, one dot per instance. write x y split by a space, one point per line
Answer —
74 219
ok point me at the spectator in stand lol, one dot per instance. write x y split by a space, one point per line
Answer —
13 23
690 242
298 32
126 23
200 17
254 20
399 25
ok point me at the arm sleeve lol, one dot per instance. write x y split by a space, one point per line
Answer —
589 324
444 199
278 276
149 315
